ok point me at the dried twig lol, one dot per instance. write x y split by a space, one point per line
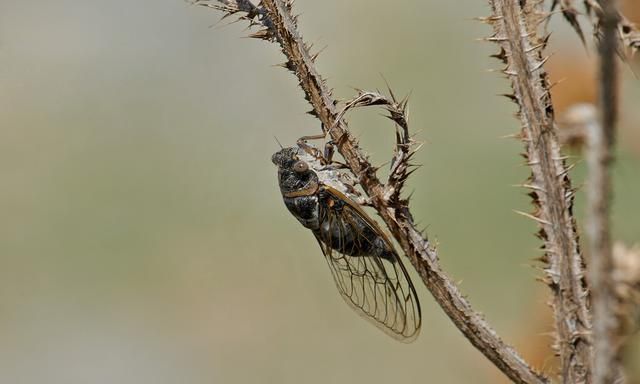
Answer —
607 358
406 147
279 25
515 26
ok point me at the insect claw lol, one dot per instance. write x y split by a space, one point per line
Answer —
328 151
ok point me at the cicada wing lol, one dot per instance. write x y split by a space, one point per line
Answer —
376 286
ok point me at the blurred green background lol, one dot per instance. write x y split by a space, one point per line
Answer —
142 234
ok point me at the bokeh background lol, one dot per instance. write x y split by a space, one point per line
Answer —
142 234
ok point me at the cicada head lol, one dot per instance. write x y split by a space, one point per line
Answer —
296 172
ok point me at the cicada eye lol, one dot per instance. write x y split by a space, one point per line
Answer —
300 167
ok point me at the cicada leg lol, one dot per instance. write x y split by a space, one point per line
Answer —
326 158
311 150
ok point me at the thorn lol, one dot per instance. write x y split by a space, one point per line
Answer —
566 170
530 186
409 173
263 34
510 96
552 85
417 147
539 65
496 39
535 47
287 65
532 163
532 217
517 135
502 55
488 19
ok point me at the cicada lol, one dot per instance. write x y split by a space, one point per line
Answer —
365 266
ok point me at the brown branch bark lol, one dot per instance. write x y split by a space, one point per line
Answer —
515 24
606 327
280 25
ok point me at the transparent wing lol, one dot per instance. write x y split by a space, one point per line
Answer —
374 282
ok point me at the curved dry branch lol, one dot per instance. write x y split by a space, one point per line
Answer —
515 26
279 25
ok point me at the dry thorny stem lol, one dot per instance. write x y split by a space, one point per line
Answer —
516 29
516 24
279 25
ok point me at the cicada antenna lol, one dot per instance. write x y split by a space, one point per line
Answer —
278 141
